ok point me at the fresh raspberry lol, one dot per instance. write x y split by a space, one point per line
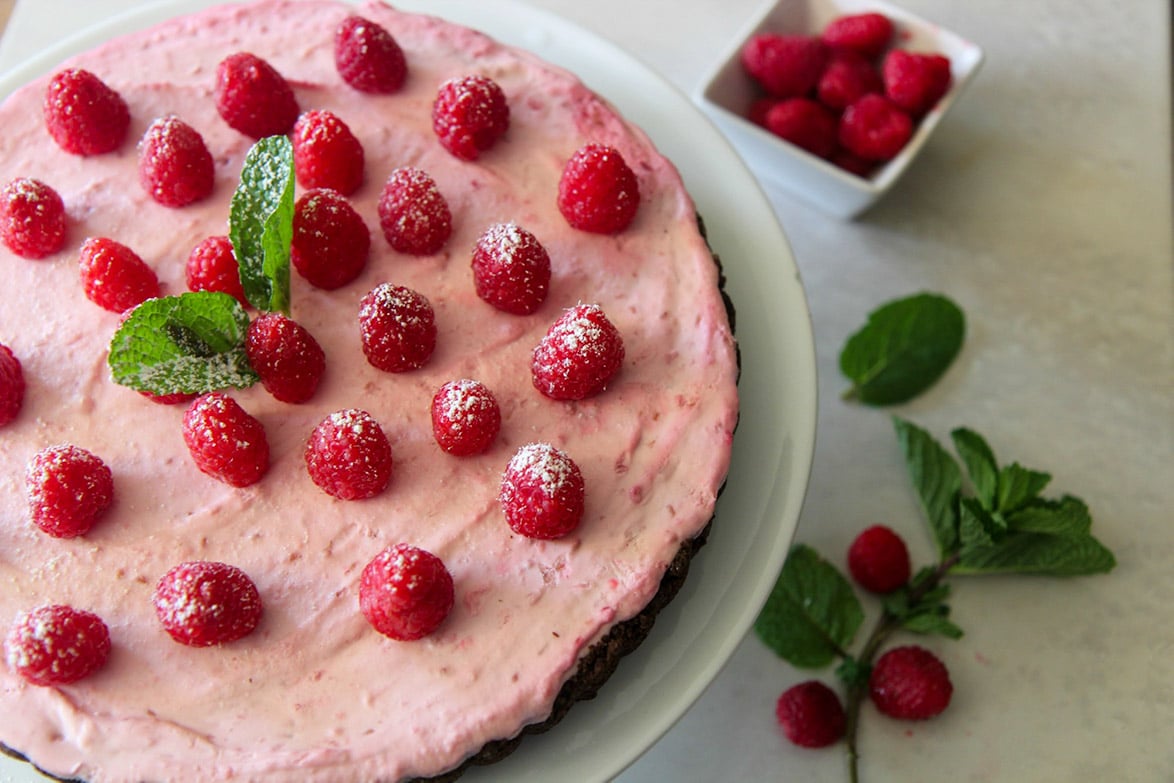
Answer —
867 34
175 167
253 97
12 385
348 456
326 153
368 57
511 269
286 356
542 492
915 82
805 123
465 417
878 560
83 115
469 115
811 714
212 266
853 163
68 489
113 275
178 398
331 243
201 603
787 66
56 645
847 79
413 214
225 441
874 128
398 328
405 592
32 218
910 683
580 354
598 192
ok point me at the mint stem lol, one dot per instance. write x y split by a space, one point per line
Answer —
886 624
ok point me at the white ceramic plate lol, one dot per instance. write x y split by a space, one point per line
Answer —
758 513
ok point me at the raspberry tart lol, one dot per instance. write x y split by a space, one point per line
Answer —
348 570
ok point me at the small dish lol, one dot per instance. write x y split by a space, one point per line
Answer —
728 91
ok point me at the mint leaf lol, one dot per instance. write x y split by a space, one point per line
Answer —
260 224
812 613
903 349
1068 516
1038 553
980 463
932 621
190 344
1018 486
937 480
977 526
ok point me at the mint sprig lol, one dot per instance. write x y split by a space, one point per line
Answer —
998 524
903 349
195 342
187 344
261 223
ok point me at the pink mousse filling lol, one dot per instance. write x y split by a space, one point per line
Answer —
315 694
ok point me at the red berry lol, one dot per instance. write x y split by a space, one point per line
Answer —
787 66
874 128
12 385
598 192
253 97
853 163
32 218
580 354
331 243
878 560
113 275
465 417
286 356
68 489
806 124
413 214
225 441
177 398
202 603
811 714
910 683
368 57
56 645
212 266
83 115
469 115
348 456
405 592
542 492
759 109
326 153
175 167
398 328
867 34
511 269
915 82
847 79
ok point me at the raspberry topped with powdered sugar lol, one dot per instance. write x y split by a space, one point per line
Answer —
542 492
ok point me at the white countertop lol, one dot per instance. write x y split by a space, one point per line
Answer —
1043 207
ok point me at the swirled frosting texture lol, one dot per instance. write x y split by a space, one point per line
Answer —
315 694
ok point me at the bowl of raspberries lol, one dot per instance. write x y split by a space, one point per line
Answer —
832 100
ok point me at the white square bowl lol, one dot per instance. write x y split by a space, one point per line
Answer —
727 92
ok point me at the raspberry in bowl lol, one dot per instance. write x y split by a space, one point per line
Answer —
882 76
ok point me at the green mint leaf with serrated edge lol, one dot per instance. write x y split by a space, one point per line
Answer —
191 343
977 526
980 464
261 223
936 478
812 613
1018 486
1068 516
903 349
932 621
1038 553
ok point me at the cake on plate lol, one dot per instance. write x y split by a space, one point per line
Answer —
464 451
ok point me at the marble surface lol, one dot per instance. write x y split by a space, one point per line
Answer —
1043 207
